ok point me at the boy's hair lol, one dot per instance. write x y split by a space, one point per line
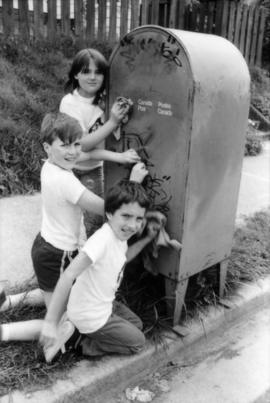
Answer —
80 64
62 126
124 192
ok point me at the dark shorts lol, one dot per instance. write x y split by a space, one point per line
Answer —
49 262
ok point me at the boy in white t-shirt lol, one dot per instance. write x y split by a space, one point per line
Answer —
64 198
107 327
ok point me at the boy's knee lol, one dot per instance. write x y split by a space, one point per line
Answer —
138 323
139 344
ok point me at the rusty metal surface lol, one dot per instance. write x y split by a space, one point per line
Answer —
191 99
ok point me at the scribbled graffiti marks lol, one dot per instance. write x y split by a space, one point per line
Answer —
139 142
168 48
156 191
154 185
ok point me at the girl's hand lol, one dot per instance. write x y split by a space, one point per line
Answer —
118 112
138 172
48 333
130 157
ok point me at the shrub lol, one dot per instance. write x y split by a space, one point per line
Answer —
253 145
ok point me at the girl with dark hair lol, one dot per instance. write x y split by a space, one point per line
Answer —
86 81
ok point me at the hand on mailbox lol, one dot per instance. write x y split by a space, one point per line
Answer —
138 172
126 105
118 112
130 157
154 224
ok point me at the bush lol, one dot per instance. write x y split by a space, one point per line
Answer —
253 145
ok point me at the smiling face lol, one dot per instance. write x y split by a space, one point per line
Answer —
63 154
90 80
127 220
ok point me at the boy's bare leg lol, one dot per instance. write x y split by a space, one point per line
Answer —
26 330
33 298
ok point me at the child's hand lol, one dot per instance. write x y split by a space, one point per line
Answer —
118 112
138 172
48 333
130 157
153 229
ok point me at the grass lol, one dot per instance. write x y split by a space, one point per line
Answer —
22 363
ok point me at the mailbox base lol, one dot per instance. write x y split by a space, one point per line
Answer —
176 292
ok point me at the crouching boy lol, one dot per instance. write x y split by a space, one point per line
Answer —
89 284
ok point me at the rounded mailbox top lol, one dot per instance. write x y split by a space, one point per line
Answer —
209 56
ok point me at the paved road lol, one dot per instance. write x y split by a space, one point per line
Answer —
230 367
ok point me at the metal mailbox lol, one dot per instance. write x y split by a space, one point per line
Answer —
190 94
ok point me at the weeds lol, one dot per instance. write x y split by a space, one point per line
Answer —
253 145
260 90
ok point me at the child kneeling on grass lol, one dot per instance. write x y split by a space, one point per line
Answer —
90 282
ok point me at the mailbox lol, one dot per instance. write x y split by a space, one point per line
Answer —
190 94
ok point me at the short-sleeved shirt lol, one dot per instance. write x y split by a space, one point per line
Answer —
92 295
89 116
61 216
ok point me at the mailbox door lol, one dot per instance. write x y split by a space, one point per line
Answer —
150 67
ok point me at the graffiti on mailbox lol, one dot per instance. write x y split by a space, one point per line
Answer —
168 48
154 185
171 51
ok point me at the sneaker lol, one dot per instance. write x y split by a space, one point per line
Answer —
74 342
65 330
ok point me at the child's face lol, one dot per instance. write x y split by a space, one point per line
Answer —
127 220
90 82
63 155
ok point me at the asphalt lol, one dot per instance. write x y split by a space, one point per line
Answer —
100 377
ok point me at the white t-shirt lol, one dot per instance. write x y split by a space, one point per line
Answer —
61 216
88 115
91 297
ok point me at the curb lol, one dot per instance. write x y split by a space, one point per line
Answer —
102 377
